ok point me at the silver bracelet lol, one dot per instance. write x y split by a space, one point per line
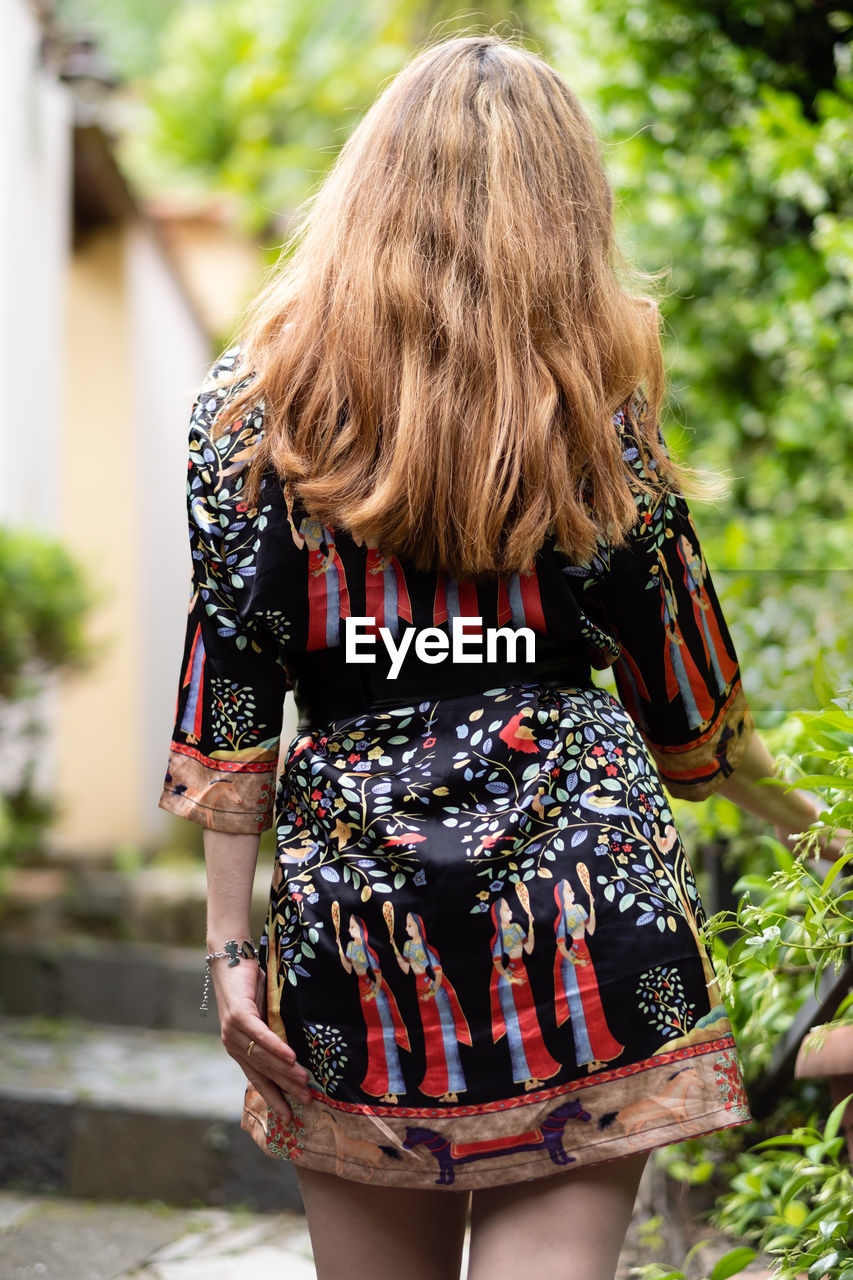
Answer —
233 952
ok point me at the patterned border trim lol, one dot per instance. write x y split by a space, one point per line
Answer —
539 1095
268 764
240 802
665 1101
710 733
693 771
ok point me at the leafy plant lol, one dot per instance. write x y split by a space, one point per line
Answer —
793 926
790 1194
45 603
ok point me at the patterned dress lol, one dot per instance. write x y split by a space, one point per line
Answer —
484 934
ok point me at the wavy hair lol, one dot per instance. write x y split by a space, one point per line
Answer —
442 348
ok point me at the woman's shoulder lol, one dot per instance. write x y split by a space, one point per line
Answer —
639 437
224 381
210 430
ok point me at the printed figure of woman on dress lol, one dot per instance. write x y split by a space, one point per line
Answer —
513 1006
385 1029
576 993
445 1025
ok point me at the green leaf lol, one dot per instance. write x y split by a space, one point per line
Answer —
836 1116
732 1262
787 1140
820 1268
825 682
795 1212
821 780
792 1188
838 865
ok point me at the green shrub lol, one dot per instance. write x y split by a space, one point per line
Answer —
46 600
786 1185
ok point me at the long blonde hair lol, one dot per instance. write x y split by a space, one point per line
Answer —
442 350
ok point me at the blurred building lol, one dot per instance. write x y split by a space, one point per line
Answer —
109 315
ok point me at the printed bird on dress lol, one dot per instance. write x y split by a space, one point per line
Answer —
605 806
517 735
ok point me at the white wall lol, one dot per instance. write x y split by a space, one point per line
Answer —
35 164
169 356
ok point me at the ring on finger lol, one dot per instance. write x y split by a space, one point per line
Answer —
250 1048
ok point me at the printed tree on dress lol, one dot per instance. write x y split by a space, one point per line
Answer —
660 994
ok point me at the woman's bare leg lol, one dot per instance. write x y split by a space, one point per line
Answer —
358 1229
567 1227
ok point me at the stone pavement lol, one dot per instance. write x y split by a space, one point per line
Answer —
44 1238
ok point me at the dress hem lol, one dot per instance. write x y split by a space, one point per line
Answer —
608 1117
362 1171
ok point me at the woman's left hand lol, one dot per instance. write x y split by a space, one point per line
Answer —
271 1067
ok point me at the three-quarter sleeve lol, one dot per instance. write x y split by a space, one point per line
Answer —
677 672
224 750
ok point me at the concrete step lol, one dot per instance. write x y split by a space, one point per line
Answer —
128 983
125 1113
141 903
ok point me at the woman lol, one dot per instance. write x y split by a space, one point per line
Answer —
444 1024
441 386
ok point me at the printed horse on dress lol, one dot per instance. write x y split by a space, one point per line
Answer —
548 1135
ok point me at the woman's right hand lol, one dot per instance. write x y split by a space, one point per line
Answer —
271 1068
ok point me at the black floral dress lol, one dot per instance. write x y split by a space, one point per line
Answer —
483 934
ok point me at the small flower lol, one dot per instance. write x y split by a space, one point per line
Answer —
420 877
430 742
772 934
